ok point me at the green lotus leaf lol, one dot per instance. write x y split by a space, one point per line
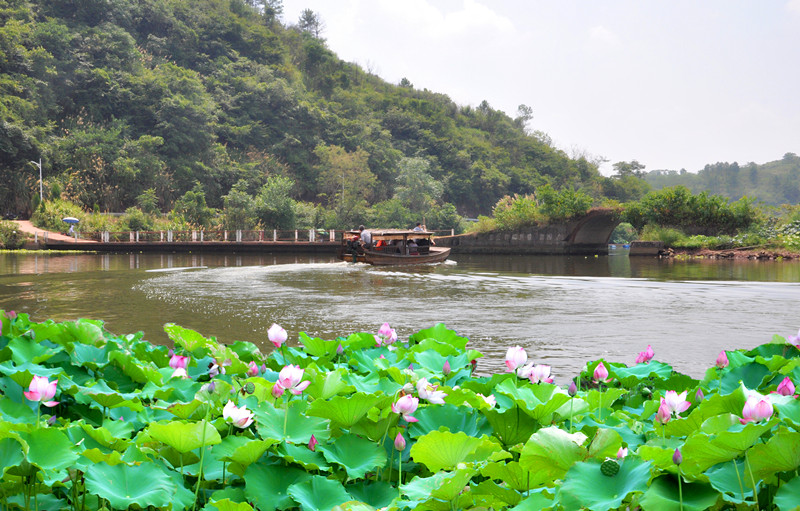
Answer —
439 450
228 505
90 356
550 452
663 495
24 349
538 401
357 455
345 411
11 454
184 436
732 480
786 496
241 450
511 426
189 340
630 376
267 485
15 412
585 486
135 368
302 455
95 455
327 385
232 493
375 494
534 502
780 454
372 383
113 434
246 350
750 375
511 474
500 496
123 485
702 451
605 444
604 398
353 506
788 409
319 494
453 418
83 331
193 409
22 374
441 485
49 448
299 427
317 347
433 361
441 333
108 398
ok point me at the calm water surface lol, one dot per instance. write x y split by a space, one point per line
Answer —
564 310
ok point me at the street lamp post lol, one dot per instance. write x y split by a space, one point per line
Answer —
39 164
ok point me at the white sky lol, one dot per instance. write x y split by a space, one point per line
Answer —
671 83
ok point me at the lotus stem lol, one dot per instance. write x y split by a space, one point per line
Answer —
285 415
399 476
739 477
202 455
752 479
680 487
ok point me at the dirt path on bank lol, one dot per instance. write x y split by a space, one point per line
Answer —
27 227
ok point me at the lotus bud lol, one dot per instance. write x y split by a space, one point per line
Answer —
677 457
312 444
786 387
52 421
408 388
277 390
339 349
698 396
399 442
263 368
11 315
252 368
722 360
446 369
600 373
573 389
622 452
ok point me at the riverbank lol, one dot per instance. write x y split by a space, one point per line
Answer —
736 253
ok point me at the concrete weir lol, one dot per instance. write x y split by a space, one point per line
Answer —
588 234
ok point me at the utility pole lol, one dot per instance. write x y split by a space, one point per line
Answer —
41 193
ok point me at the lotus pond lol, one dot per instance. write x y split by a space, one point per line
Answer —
93 420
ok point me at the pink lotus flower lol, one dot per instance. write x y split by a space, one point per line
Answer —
386 335
215 368
645 356
663 415
290 379
786 387
277 335
756 408
40 389
540 374
312 444
11 315
676 402
722 360
399 442
240 417
405 406
515 358
794 339
622 452
428 392
179 363
600 373
252 369
277 390
489 400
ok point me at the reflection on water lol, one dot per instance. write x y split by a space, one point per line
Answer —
563 310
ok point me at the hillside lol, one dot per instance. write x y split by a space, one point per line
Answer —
773 183
118 97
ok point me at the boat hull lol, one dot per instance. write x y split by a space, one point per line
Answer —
435 255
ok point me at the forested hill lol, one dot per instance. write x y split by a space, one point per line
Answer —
774 183
121 96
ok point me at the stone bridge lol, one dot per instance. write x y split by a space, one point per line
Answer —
588 234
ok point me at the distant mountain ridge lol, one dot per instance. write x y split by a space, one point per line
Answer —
773 183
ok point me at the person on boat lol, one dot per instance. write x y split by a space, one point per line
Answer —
366 237
419 227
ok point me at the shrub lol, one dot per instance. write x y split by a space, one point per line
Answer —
49 214
11 237
562 205
670 236
136 220
515 212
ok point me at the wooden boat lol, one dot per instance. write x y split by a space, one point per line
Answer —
392 247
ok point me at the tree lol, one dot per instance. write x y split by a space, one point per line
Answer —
346 181
416 188
274 206
624 169
192 207
311 22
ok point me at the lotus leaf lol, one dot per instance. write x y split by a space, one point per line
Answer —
786 496
455 419
663 495
123 485
550 452
185 436
357 455
585 486
345 411
439 450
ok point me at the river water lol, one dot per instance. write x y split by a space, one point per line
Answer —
564 311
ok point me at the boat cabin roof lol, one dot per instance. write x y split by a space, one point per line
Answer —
394 234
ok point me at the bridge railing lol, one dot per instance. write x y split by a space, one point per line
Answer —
200 236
